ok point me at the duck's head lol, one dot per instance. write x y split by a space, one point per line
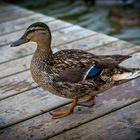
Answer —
37 32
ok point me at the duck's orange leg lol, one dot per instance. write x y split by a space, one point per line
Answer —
66 112
88 102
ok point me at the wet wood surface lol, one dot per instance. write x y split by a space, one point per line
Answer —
24 107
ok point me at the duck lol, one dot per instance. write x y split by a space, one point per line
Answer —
72 73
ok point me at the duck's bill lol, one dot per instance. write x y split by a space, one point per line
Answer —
18 42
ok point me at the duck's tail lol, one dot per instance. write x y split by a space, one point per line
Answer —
128 75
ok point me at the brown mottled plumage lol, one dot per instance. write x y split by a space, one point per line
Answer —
65 72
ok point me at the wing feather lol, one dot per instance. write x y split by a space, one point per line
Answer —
72 65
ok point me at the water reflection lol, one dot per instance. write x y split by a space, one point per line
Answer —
92 17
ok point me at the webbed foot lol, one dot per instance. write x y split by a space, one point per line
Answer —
65 113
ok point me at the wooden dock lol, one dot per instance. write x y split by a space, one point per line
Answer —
24 107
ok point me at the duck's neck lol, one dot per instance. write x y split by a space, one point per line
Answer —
44 54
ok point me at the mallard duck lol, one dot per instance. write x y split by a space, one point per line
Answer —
72 73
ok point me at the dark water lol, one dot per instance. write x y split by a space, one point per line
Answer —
80 13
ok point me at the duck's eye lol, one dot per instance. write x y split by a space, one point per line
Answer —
28 38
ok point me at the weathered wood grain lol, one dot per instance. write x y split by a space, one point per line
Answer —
134 62
22 22
116 47
15 66
59 37
43 126
123 124
8 38
89 43
16 84
27 105
13 12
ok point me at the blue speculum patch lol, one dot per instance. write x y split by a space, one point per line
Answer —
95 71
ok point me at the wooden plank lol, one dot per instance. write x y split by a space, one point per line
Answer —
27 105
89 43
6 7
60 37
22 23
15 66
8 38
116 47
58 24
14 13
134 62
123 124
16 84
43 126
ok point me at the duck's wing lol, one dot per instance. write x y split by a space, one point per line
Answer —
72 75
77 74
109 61
74 57
77 65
